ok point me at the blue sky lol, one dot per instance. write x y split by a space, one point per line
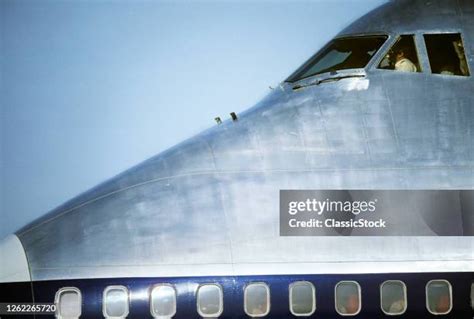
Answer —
90 88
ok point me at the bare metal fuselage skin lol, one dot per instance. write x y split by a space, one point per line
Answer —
213 199
209 206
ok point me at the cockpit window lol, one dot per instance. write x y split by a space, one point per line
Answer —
446 54
403 56
340 54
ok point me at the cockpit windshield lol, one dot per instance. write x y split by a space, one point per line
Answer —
340 54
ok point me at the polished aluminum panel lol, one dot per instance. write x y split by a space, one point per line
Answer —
210 204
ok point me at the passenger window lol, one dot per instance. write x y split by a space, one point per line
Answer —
348 299
163 301
115 302
68 302
438 297
446 54
403 56
302 298
393 297
257 300
210 301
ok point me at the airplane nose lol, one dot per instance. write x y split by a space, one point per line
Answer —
13 262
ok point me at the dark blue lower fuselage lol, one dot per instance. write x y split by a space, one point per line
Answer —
233 286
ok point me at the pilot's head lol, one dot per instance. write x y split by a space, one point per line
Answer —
400 53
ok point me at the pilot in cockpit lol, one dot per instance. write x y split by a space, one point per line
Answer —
402 56
402 63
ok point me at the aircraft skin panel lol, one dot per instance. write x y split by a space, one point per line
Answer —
233 230
207 210
220 188
393 16
233 175
258 268
405 16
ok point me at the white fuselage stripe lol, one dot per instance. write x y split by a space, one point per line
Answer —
249 269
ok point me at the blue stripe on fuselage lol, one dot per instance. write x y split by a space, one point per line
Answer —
233 286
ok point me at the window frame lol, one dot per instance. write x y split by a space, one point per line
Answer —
391 42
267 288
445 32
405 299
57 298
221 300
152 312
450 298
104 303
313 288
369 64
359 291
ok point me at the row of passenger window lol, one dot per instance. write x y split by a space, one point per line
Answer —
302 299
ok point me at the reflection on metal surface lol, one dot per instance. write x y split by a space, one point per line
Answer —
210 204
